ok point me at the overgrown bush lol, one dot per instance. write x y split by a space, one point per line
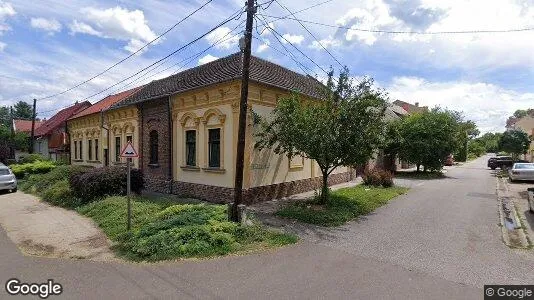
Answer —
60 194
101 182
162 230
37 167
37 183
377 177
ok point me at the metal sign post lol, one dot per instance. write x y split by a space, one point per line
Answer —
129 152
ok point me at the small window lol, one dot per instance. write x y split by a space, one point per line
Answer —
118 148
81 151
75 149
190 147
90 149
214 148
96 149
153 147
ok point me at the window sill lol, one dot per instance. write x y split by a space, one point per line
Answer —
94 161
77 160
190 168
153 165
214 170
296 168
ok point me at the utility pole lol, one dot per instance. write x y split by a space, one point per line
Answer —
12 131
33 127
240 156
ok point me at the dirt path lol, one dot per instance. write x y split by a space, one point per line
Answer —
40 229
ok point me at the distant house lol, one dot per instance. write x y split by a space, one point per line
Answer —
51 139
411 108
525 124
26 127
89 132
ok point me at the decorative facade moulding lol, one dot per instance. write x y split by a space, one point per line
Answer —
216 112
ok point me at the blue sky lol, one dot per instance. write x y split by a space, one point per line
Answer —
49 46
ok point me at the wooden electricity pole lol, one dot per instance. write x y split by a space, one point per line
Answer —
240 156
33 127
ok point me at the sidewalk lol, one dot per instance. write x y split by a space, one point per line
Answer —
40 229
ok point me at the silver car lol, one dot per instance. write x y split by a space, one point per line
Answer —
8 181
521 171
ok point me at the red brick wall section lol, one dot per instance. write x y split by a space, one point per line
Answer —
218 194
155 116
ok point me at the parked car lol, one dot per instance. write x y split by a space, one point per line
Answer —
503 162
521 171
8 181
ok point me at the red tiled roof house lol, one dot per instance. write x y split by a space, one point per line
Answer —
51 139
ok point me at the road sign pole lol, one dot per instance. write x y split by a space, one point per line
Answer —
128 189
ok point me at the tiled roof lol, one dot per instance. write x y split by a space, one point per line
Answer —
59 119
410 108
222 70
105 103
25 125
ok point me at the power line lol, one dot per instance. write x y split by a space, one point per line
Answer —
316 39
129 56
190 58
162 59
401 32
296 48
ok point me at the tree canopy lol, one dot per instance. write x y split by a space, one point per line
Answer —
515 142
345 128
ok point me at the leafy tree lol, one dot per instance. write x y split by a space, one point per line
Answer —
520 113
476 148
5 118
490 141
22 110
515 142
345 128
427 138
467 131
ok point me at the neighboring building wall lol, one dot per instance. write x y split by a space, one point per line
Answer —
40 146
266 175
155 127
123 124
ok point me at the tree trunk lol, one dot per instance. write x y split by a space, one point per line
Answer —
418 167
324 189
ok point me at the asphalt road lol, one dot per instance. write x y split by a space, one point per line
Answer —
440 241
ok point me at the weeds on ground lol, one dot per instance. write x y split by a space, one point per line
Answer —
342 206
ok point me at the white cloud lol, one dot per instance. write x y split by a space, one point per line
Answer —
223 33
6 10
115 23
486 104
50 25
206 59
329 42
293 39
2 46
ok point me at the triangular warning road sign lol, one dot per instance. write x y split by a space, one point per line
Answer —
129 151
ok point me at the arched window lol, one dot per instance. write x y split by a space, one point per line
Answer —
153 147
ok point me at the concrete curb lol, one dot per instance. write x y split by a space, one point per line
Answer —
512 230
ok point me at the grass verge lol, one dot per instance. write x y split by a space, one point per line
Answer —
164 230
344 205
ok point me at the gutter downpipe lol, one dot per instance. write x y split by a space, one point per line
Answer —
171 145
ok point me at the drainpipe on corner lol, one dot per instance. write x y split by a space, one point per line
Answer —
169 104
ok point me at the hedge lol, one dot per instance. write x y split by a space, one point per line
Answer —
101 182
37 167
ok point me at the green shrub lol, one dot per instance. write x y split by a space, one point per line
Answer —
37 183
31 158
60 194
101 182
37 167
377 177
162 231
